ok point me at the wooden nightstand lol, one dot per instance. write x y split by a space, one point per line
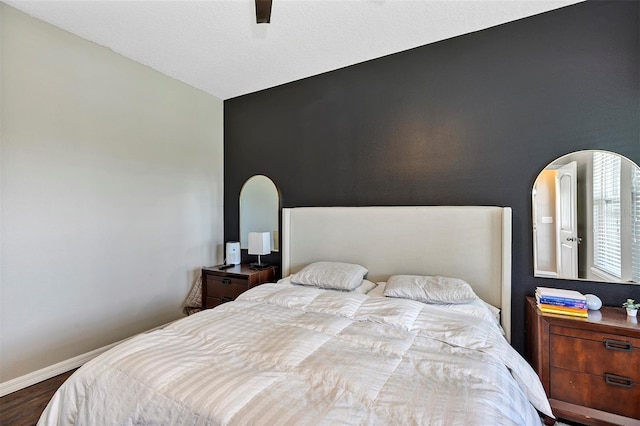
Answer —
220 286
590 368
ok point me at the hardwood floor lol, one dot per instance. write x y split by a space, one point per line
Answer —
23 407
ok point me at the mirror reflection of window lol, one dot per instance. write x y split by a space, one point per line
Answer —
259 208
607 238
603 234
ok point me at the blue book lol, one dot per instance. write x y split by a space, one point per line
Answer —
570 303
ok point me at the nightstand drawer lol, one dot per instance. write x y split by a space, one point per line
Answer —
609 354
611 393
230 287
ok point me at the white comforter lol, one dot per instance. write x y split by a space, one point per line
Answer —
284 354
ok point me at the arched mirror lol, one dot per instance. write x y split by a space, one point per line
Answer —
586 218
259 207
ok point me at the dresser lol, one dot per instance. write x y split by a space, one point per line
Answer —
590 368
224 285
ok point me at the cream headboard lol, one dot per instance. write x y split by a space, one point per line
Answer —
468 242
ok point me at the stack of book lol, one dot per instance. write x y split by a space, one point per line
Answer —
562 302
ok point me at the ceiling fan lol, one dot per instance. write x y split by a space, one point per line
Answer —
263 11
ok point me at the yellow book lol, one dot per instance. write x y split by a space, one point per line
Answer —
562 308
582 314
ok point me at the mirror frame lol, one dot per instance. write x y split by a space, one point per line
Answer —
546 212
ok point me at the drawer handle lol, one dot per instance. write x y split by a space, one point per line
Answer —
612 379
226 281
617 345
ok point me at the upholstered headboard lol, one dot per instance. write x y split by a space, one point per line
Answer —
468 242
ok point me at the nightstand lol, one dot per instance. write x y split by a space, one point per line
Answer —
589 367
224 285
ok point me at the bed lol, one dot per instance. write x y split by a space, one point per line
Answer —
301 352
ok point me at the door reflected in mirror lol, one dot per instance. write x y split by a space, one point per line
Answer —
259 208
586 218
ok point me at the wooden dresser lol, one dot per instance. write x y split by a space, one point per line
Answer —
220 286
590 368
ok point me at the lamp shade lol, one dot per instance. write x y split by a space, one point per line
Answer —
259 243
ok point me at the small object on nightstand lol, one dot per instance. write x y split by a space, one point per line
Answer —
233 253
593 302
632 307
223 267
259 244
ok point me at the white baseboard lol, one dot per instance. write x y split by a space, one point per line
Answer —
46 373
38 376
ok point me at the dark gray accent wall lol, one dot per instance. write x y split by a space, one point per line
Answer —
466 121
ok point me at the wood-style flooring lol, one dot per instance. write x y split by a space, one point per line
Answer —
23 407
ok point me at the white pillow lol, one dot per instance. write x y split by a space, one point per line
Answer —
285 280
366 287
333 275
378 291
477 308
429 289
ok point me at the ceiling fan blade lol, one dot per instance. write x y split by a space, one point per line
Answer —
263 11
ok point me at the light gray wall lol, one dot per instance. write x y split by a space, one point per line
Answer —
112 183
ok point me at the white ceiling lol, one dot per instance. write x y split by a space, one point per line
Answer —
216 45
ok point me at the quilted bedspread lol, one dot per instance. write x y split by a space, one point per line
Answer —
284 354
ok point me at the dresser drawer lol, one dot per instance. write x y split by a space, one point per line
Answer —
619 395
225 287
593 335
605 354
